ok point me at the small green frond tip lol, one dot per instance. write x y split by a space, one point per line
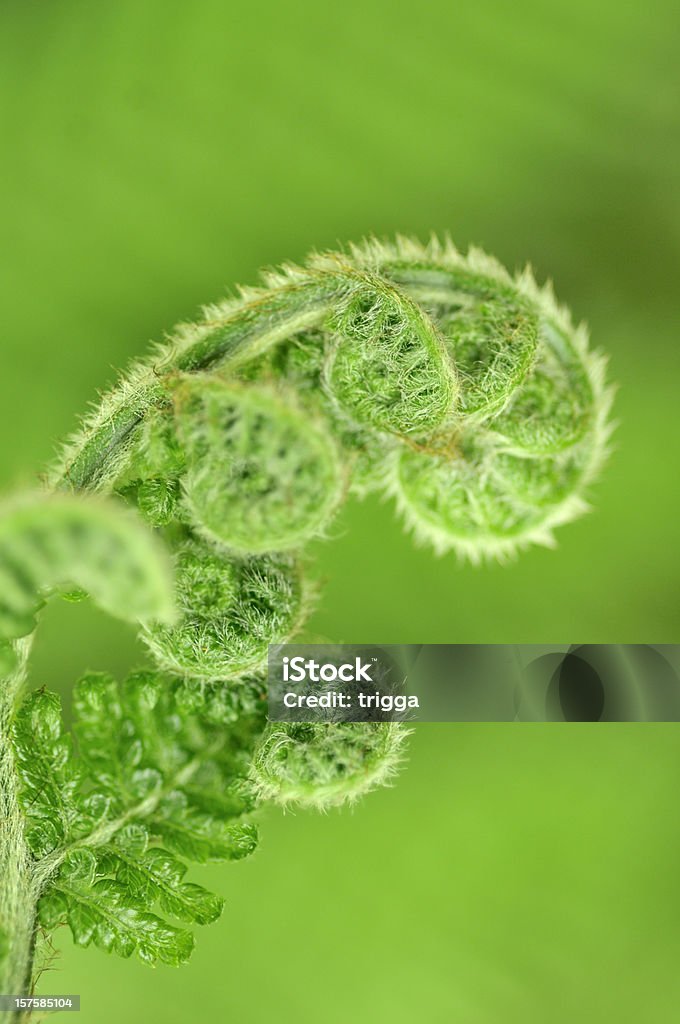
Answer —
50 543
321 766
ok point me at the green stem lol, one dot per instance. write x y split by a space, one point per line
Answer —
240 334
18 895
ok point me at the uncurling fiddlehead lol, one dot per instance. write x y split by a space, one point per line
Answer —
321 766
439 379
465 394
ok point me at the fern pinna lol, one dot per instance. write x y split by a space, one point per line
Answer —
438 379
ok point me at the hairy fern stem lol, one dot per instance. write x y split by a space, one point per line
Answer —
18 893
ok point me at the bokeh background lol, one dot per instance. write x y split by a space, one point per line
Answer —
155 153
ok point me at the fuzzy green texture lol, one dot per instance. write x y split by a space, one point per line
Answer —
261 474
388 367
324 766
231 609
465 394
47 543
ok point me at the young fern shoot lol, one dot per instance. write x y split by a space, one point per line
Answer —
465 394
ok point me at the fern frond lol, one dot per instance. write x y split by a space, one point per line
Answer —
114 809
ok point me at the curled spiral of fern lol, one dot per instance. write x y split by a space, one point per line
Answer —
462 392
465 393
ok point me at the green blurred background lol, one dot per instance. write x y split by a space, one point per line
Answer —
154 153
